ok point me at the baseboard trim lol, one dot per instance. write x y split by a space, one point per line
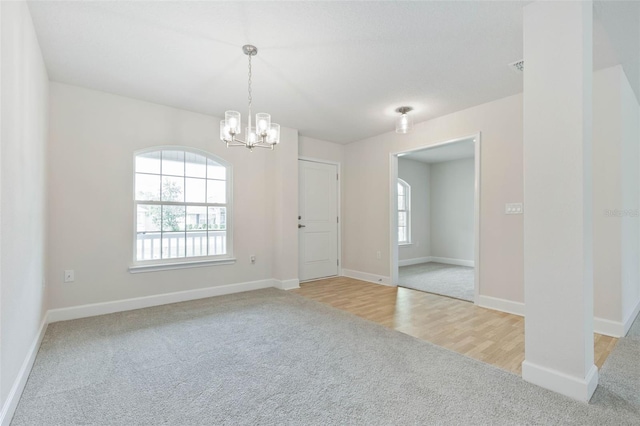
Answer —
503 305
459 262
630 319
365 276
15 393
580 389
607 327
286 284
600 325
95 309
414 261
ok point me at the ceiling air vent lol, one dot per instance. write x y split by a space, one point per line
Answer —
517 66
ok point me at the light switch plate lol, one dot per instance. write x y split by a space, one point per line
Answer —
513 208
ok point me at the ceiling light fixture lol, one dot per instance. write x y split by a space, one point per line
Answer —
404 123
264 134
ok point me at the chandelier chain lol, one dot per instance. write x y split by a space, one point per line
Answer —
250 99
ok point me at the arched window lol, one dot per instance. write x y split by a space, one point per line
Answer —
404 212
182 206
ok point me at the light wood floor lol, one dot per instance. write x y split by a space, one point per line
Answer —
490 336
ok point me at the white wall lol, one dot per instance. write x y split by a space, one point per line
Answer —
416 174
616 196
630 166
320 150
284 169
366 207
92 137
24 118
452 209
607 195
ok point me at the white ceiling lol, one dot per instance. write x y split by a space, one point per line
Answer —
333 70
449 152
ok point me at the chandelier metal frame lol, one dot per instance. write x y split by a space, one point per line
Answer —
264 134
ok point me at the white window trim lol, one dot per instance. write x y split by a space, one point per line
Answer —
138 266
407 203
192 263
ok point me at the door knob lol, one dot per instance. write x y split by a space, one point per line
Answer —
301 226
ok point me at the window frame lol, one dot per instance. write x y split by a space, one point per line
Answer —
407 210
191 261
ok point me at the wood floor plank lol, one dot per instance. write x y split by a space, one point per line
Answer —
489 336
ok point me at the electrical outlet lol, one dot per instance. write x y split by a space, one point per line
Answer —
69 276
378 255
253 259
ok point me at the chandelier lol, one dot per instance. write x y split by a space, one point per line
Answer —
264 134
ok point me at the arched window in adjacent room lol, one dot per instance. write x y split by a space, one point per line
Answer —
404 212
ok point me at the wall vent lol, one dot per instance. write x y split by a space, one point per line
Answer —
517 66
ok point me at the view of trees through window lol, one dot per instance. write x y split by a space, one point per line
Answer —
181 203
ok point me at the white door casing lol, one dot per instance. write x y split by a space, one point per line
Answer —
318 220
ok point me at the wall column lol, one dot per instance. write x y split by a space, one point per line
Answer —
558 220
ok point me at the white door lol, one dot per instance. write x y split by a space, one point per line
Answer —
318 220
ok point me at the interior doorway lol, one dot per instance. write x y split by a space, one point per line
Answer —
318 220
435 218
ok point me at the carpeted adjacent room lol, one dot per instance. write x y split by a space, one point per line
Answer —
271 357
439 278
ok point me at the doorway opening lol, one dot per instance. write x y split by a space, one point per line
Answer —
435 235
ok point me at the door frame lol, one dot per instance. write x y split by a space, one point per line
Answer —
339 205
393 211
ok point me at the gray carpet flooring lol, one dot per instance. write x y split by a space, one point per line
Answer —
620 375
270 357
447 280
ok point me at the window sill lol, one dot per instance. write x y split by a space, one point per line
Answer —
136 269
405 244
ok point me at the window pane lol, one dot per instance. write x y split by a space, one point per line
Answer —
196 191
217 218
196 218
195 165
215 170
400 190
401 203
173 163
173 244
172 188
149 219
173 218
147 187
402 218
402 235
148 246
148 162
197 243
216 191
217 242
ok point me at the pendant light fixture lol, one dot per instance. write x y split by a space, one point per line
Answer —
404 123
264 134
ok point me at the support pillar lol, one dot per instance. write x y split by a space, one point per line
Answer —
558 219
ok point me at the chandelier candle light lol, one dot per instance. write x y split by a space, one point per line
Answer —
264 134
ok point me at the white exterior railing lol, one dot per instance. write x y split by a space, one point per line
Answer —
156 245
